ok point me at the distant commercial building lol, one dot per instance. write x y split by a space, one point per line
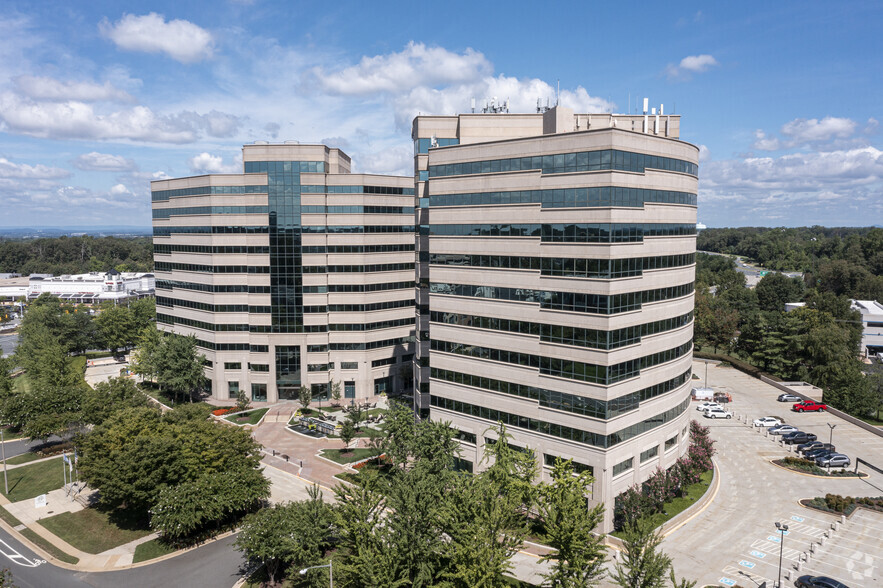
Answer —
91 288
293 273
555 287
872 327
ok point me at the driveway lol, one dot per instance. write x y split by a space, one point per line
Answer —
734 541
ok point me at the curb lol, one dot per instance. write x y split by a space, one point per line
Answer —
860 476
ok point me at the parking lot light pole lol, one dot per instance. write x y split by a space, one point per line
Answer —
831 435
782 529
330 571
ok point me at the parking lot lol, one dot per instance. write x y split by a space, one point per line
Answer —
735 540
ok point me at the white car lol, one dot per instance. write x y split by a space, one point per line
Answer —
706 405
717 413
767 422
783 429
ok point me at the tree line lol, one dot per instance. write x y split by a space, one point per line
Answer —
417 521
818 343
843 261
76 255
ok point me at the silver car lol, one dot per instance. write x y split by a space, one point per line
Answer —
834 460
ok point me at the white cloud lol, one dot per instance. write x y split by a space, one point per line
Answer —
95 161
704 153
78 120
119 189
416 65
179 39
764 143
9 169
802 130
692 64
44 88
206 163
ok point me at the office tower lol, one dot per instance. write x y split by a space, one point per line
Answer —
555 286
293 273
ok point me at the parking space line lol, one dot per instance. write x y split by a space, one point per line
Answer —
756 578
806 530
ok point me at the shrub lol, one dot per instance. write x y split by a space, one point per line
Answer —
838 503
221 411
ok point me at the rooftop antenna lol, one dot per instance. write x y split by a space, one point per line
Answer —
473 105
558 95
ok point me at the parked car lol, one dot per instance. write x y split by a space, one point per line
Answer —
798 437
809 406
717 413
818 582
782 429
834 460
705 405
767 422
817 453
813 445
789 398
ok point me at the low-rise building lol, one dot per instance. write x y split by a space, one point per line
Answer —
872 327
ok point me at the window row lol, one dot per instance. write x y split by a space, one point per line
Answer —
565 335
557 430
161 195
214 288
172 302
356 269
603 159
330 229
569 301
568 267
393 190
357 209
283 167
214 249
604 375
381 248
320 367
423 145
359 307
167 266
371 326
568 197
244 230
405 342
331 288
246 328
188 210
623 466
231 346
590 407
568 232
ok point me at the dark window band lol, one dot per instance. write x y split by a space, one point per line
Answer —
165 266
568 197
569 232
568 267
188 210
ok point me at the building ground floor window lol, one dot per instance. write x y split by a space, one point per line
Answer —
383 385
233 389
259 392
319 391
288 393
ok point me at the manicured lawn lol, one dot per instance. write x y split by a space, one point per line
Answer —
151 550
91 530
10 434
49 547
248 418
33 480
7 516
693 493
24 458
350 456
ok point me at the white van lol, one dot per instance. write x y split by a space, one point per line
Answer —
703 394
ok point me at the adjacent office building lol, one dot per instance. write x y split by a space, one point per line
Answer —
555 287
293 273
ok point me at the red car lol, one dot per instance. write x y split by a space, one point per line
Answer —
808 406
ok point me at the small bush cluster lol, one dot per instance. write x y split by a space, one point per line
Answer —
799 462
846 504
222 411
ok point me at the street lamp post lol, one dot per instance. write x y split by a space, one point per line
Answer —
831 435
330 571
782 529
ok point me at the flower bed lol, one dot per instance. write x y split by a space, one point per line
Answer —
799 464
834 503
222 411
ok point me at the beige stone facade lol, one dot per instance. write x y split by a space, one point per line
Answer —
296 272
517 319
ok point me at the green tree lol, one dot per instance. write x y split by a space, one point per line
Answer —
347 432
242 401
117 327
775 289
641 565
335 391
147 356
579 554
107 397
400 433
179 365
512 469
304 397
683 583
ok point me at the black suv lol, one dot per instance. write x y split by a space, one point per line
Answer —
807 447
797 437
815 453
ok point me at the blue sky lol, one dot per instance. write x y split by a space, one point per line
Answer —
98 98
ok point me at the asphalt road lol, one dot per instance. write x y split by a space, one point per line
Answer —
8 344
211 566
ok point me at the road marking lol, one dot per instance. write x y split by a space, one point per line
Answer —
774 539
798 519
747 564
758 554
18 558
727 581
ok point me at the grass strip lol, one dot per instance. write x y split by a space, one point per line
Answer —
91 530
151 550
25 458
338 456
247 418
8 517
36 479
49 547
